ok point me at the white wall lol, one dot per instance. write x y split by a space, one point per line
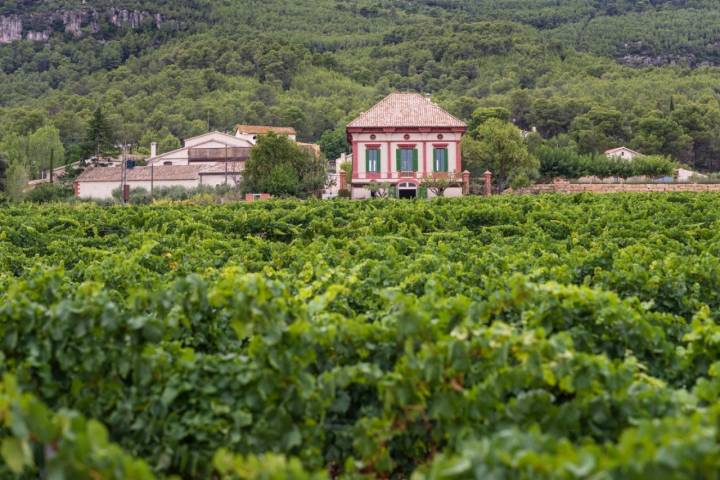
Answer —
103 190
209 140
450 192
623 154
360 193
219 179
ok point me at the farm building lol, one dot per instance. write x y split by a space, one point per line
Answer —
210 159
402 139
209 147
100 182
622 153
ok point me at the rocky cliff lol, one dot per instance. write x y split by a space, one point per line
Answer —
10 29
77 23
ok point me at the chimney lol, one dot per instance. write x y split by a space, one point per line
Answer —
153 150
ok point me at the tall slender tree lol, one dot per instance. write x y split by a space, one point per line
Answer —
100 138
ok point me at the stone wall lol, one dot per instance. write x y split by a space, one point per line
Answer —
567 187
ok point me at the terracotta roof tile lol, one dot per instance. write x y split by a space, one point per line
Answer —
263 129
406 110
219 168
137 174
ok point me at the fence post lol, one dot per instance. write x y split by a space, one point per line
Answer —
466 182
488 183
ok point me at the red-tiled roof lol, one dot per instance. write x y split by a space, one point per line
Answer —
158 173
406 110
263 129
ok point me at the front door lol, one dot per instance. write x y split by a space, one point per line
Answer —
407 190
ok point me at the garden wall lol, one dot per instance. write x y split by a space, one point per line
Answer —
567 187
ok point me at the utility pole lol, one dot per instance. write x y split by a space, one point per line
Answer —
123 175
52 155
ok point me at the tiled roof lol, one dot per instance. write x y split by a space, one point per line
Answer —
219 168
263 129
313 147
138 174
406 110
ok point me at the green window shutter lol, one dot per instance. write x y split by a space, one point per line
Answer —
415 160
436 165
446 161
367 159
397 159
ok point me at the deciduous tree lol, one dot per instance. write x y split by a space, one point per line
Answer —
333 143
16 181
499 147
280 167
45 150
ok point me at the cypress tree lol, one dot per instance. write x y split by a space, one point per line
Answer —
100 137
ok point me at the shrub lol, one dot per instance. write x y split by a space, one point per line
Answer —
50 192
568 163
137 196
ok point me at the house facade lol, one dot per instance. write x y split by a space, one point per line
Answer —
402 139
209 147
622 153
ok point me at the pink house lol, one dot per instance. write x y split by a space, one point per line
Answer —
402 139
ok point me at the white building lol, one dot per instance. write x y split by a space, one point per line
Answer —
623 153
336 177
100 182
210 147
210 159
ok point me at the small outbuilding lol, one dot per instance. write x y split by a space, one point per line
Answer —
622 153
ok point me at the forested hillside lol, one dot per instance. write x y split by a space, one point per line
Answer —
594 72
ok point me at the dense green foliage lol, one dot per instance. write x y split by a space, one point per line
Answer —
280 167
314 65
566 162
549 336
498 146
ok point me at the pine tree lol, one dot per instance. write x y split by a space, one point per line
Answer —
100 137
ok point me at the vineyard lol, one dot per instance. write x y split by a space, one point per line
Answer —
510 337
